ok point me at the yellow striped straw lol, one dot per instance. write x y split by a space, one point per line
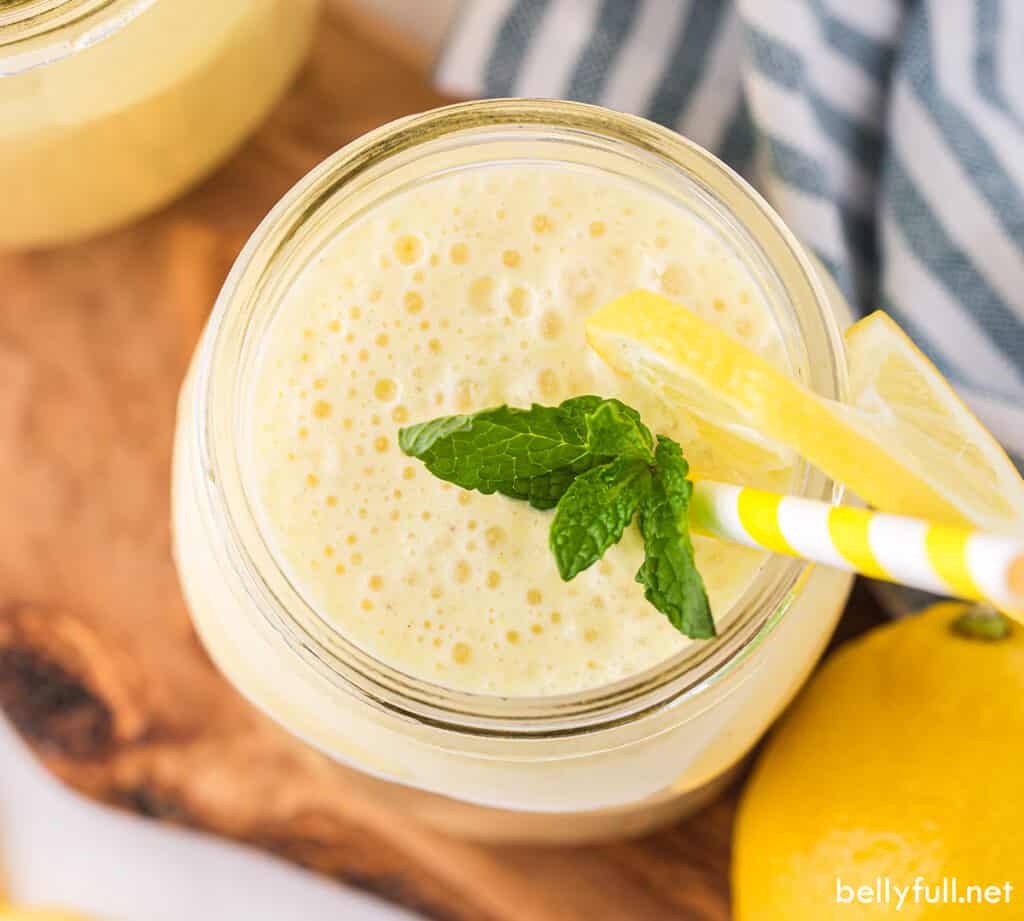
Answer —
938 558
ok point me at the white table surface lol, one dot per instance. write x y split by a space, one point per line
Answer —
58 849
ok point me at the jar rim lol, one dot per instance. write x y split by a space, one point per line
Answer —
343 663
34 33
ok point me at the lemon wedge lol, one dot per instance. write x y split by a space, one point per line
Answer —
906 445
898 387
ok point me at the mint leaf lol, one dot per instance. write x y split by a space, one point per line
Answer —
594 511
581 407
532 454
669 573
542 492
615 429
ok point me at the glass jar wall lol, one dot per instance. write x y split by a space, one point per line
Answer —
614 760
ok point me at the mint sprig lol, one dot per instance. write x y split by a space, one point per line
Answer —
598 465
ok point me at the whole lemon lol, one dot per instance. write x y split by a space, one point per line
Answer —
894 787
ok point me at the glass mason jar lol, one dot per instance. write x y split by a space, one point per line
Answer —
110 108
613 761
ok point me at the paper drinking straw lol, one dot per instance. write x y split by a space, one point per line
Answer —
939 558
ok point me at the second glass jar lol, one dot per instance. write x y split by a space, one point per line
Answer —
110 108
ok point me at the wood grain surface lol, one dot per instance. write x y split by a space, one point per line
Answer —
99 666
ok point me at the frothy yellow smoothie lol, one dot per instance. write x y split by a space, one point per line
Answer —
466 292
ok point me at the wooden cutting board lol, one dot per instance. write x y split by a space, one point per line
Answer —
99 666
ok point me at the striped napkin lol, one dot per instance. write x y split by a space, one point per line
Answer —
888 133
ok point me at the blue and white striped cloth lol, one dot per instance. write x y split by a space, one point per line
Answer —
888 133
